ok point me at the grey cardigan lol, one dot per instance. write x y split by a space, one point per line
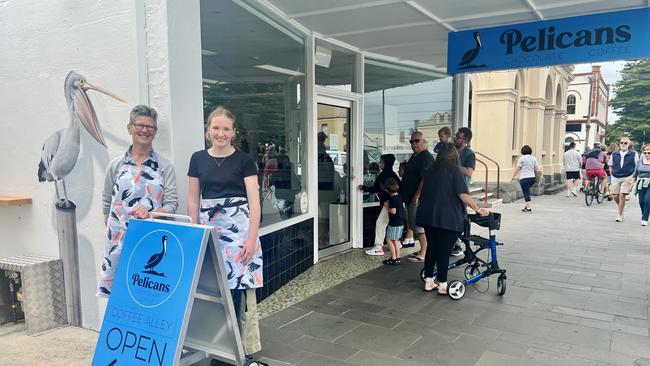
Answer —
170 197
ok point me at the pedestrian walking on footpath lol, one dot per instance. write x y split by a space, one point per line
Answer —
526 169
572 163
642 175
623 164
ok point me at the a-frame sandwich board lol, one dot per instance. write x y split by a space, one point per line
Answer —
170 303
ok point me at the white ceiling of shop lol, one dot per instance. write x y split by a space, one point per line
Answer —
416 30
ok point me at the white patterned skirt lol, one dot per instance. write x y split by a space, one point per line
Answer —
231 218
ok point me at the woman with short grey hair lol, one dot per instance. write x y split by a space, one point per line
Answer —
136 183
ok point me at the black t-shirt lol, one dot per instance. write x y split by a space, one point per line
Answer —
440 205
467 158
398 218
223 180
414 168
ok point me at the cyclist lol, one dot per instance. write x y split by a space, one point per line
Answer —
595 166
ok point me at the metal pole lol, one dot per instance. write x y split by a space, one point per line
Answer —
66 222
460 101
588 127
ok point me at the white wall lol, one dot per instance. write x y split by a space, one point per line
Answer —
41 42
107 42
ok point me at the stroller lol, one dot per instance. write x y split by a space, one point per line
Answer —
477 268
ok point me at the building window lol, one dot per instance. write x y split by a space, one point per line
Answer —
573 127
255 68
571 104
397 102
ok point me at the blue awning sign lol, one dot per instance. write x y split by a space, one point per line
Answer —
588 38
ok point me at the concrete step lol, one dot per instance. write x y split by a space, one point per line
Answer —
492 202
481 196
555 188
476 189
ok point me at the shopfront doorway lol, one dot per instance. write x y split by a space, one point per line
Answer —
336 194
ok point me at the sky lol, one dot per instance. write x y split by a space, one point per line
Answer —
611 72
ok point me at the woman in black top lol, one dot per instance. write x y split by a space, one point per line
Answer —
224 193
441 214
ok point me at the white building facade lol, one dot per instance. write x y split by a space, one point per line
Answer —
352 80
587 124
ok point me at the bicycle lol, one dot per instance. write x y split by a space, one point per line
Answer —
594 191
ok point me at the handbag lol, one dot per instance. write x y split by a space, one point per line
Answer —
538 176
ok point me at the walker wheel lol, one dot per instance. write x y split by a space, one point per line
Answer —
501 285
472 270
435 267
456 290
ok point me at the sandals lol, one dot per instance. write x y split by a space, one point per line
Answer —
526 209
442 289
430 284
413 258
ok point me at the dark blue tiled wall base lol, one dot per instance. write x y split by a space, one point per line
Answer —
286 253
369 218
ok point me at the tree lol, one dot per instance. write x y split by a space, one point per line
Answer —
632 104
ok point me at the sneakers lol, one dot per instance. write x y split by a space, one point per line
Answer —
408 243
619 218
391 262
568 194
574 193
457 251
378 249
644 222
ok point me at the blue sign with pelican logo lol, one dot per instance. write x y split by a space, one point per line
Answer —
612 36
144 319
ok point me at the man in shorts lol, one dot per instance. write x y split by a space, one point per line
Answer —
467 162
572 164
622 167
595 167
411 188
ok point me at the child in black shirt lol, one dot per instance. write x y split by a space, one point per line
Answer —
394 207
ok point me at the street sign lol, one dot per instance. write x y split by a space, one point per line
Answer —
170 301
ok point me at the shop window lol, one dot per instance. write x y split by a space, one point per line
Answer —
397 102
255 68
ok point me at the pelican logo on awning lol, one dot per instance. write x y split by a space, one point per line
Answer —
621 35
154 268
546 38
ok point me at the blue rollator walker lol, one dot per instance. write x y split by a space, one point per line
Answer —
477 268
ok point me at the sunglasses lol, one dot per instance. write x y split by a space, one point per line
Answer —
647 152
623 142
414 141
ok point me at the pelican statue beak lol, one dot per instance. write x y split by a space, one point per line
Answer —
86 113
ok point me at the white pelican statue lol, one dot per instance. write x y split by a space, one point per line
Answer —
61 150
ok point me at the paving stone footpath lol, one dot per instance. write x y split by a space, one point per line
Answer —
577 294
